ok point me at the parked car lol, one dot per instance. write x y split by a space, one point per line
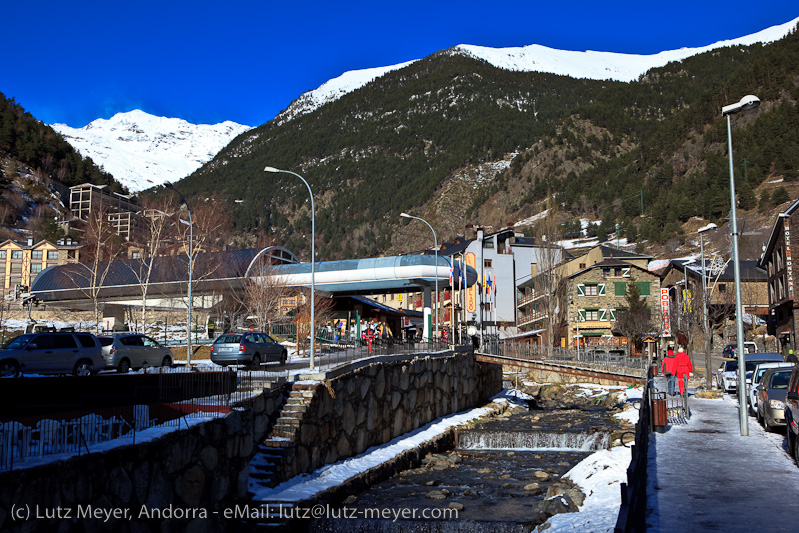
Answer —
771 397
124 351
51 353
727 374
729 350
251 348
792 413
753 382
754 359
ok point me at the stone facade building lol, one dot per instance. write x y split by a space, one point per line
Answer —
596 293
777 261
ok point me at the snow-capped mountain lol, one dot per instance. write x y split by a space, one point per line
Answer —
141 150
534 58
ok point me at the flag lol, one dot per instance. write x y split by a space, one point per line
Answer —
488 285
451 266
494 286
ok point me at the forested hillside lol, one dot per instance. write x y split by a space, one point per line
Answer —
505 141
31 155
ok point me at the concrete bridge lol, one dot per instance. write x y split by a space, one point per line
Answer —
565 365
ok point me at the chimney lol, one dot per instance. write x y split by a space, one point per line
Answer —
30 241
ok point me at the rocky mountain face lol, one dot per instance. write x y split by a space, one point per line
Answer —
141 150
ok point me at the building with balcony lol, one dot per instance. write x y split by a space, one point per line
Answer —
20 263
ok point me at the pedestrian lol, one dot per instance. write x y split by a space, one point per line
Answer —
792 357
668 368
683 368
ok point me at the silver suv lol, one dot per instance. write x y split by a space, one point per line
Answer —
51 353
124 351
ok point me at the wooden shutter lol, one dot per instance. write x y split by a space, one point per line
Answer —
580 289
600 289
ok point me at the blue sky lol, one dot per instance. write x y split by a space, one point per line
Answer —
204 61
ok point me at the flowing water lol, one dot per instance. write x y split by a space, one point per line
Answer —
496 479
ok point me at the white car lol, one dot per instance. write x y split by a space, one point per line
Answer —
726 376
757 374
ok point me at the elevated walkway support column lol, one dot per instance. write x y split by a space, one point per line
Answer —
428 313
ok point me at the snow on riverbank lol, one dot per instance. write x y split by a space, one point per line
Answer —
599 475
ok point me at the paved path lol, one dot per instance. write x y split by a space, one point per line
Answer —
704 476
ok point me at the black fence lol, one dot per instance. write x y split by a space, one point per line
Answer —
632 513
164 400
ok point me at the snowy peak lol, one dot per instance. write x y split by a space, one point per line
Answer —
141 150
534 58
603 65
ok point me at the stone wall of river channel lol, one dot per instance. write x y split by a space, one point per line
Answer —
373 404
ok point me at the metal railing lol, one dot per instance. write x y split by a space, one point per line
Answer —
595 359
181 395
632 512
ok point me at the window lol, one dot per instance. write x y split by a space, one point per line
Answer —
36 268
722 287
489 243
2 254
582 266
52 254
618 272
592 314
488 263
36 254
16 268
591 290
605 272
71 254
135 255
16 254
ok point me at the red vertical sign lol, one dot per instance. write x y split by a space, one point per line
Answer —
664 311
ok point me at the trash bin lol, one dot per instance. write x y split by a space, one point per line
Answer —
658 387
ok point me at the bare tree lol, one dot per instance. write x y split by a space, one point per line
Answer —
152 235
101 246
209 230
302 316
549 282
263 291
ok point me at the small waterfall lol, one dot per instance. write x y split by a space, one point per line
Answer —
486 439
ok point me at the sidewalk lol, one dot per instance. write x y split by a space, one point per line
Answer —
705 476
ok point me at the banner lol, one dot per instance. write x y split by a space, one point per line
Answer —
664 312
471 292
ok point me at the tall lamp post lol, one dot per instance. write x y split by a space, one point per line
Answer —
705 325
191 271
435 241
747 102
313 261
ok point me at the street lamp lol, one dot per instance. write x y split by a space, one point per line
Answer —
313 260
191 269
705 325
435 241
747 103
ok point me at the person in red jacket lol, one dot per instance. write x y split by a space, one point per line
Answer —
683 368
669 368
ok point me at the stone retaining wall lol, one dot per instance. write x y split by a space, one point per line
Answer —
188 475
374 404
